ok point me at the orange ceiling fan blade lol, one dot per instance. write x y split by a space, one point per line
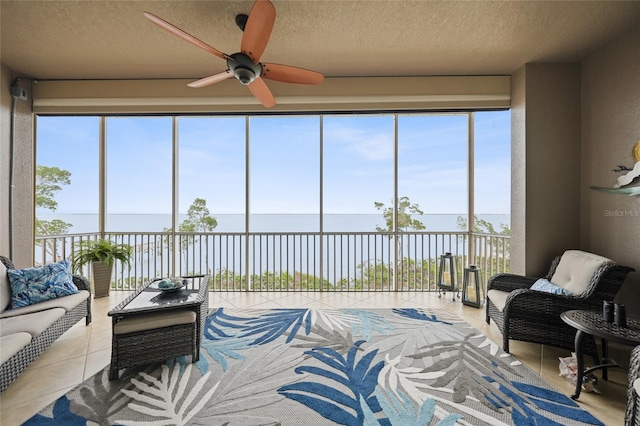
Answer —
261 91
207 81
289 74
183 35
258 29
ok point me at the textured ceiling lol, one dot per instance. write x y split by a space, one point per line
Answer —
339 38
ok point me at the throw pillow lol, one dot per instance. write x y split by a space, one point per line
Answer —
37 284
548 287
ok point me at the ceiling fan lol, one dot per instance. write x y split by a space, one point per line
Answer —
245 65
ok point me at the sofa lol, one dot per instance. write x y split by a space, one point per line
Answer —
27 331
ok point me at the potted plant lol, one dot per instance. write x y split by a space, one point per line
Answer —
101 254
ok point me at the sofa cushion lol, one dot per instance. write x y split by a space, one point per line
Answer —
5 288
575 270
67 303
152 321
12 343
34 324
40 283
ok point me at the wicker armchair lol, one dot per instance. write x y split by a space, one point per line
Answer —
534 316
632 413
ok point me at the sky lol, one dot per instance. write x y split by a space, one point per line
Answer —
284 162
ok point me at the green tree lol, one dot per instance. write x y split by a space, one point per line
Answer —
405 222
198 219
405 211
483 226
497 257
49 181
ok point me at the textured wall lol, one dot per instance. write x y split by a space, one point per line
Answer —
518 175
5 122
545 164
610 223
23 212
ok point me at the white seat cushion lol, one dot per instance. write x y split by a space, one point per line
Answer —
498 298
575 270
34 324
66 302
152 321
12 343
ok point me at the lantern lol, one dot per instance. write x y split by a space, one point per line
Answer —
447 277
472 287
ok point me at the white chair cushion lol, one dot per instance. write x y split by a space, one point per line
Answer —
575 270
498 298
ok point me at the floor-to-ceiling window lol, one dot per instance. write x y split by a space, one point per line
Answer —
358 176
352 201
284 200
492 190
433 188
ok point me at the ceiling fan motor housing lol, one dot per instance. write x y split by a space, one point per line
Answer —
243 68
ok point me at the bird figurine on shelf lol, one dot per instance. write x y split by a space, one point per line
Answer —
623 183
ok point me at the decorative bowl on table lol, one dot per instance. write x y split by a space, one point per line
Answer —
170 284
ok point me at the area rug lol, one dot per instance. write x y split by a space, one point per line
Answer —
317 367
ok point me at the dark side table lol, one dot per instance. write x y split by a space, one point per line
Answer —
590 322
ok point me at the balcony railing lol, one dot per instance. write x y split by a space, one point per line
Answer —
357 261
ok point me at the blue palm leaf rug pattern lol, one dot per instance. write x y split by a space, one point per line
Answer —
324 367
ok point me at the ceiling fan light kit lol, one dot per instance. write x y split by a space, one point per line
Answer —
245 65
243 68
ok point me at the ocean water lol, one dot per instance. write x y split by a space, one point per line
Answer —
270 251
231 223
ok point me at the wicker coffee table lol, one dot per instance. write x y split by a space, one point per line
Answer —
589 322
153 325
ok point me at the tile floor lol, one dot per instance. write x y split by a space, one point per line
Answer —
85 350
